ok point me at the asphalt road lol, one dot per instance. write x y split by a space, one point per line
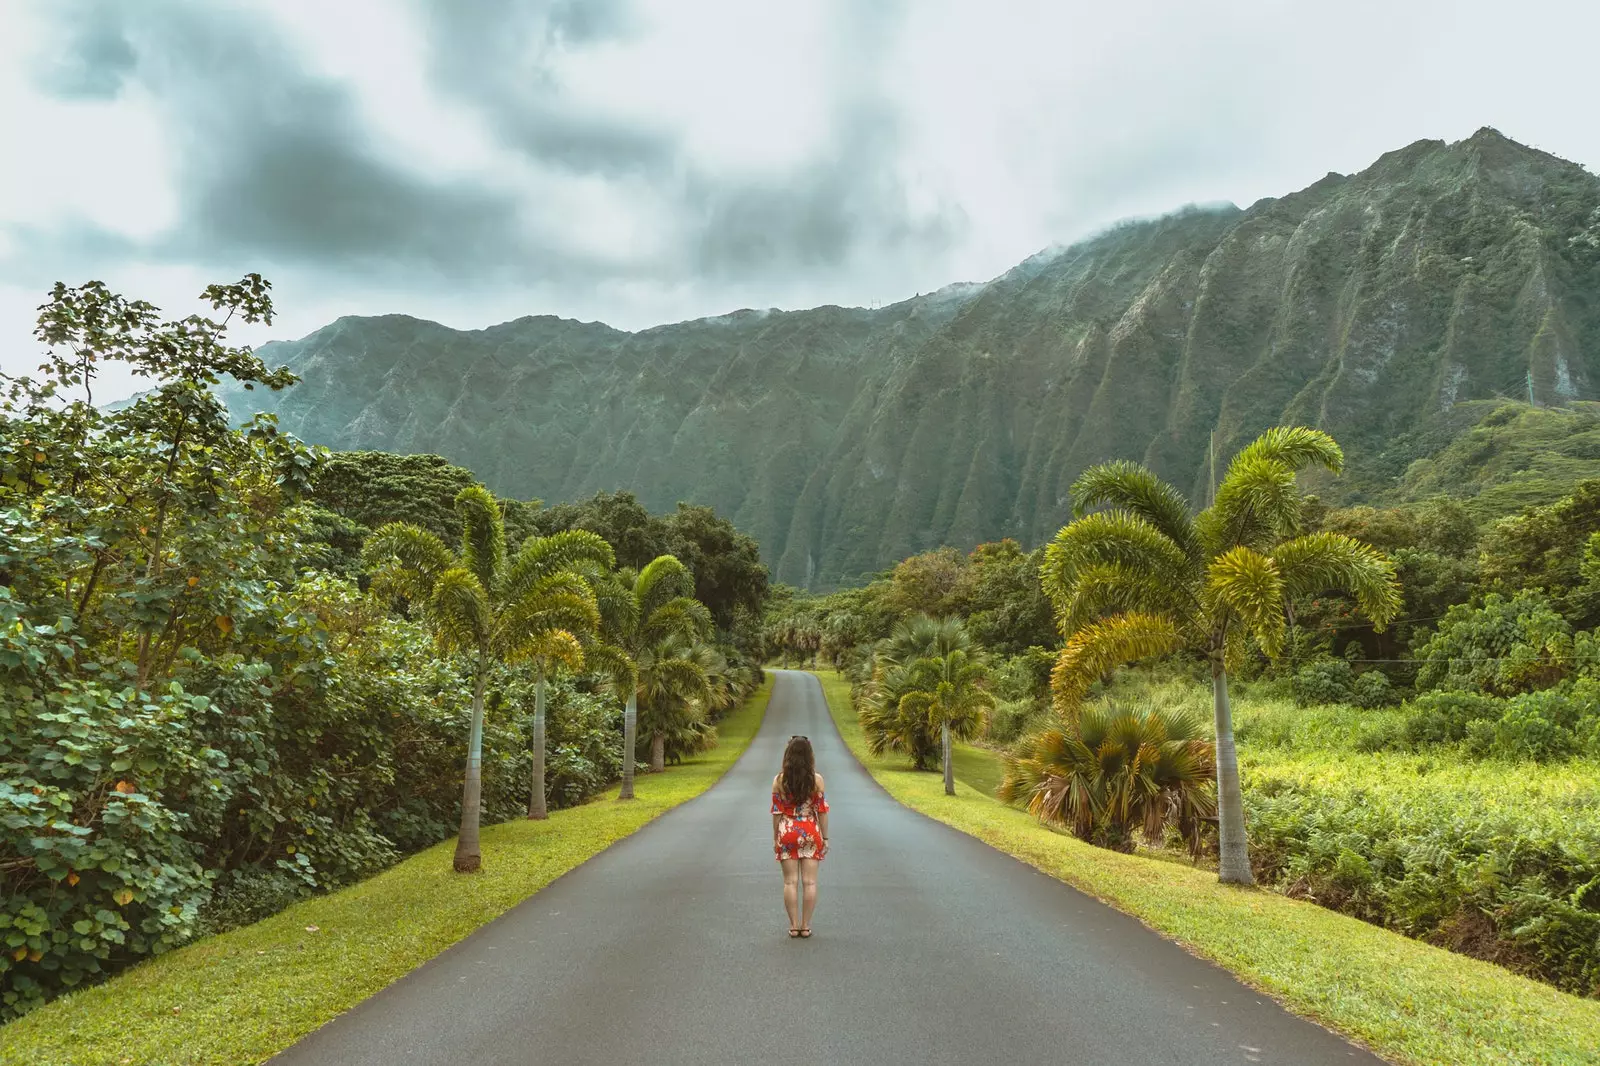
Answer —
930 947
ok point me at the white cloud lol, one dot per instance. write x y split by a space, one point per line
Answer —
662 159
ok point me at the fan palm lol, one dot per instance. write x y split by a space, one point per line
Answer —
1110 770
948 691
1145 577
487 607
641 609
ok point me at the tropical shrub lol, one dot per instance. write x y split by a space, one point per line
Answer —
1503 867
1372 689
1505 646
1112 771
1325 680
887 721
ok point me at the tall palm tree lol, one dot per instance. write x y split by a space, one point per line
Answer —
949 691
641 609
487 607
573 551
1146 577
1110 770
886 726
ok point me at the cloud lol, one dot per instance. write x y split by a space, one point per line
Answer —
90 58
275 164
642 161
504 58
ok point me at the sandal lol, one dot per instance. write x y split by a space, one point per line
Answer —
793 933
805 934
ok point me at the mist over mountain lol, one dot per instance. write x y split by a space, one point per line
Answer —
1372 305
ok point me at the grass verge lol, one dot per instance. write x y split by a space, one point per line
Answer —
245 995
1408 1001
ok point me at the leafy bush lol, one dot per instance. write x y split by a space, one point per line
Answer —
1503 647
1444 717
1325 680
1372 690
1504 867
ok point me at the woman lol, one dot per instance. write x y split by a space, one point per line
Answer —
799 832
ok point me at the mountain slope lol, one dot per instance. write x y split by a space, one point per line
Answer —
844 439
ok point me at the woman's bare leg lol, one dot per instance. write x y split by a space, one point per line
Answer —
791 890
808 881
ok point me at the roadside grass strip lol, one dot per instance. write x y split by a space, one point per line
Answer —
1408 1001
245 995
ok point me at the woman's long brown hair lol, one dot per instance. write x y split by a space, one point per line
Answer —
799 777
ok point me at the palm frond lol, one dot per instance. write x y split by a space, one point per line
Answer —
551 649
615 665
1257 503
663 578
1114 537
1115 770
1099 646
1131 487
1114 588
562 601
483 535
1319 562
1249 585
421 556
681 616
459 611
577 550
1296 447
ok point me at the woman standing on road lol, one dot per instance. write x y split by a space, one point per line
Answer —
799 831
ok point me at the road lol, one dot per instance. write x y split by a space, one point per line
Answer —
930 947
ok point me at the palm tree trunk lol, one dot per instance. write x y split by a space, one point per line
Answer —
1234 865
630 739
468 858
658 752
949 771
536 801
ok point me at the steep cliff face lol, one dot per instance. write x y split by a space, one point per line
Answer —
844 439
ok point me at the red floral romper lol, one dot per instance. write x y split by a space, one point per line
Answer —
798 835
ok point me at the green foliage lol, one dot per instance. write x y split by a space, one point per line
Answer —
204 715
900 710
1505 646
1114 770
1498 866
1324 680
372 489
1544 548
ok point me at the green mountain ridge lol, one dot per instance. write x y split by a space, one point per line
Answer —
1383 306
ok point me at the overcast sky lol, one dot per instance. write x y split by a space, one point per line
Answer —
645 161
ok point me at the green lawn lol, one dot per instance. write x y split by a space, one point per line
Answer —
1410 1002
243 996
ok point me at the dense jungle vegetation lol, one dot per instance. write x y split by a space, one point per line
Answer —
236 670
1439 777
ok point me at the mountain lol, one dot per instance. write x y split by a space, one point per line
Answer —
1378 306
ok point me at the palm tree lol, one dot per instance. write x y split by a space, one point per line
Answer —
641 609
480 604
1145 577
674 695
572 551
1110 770
949 691
886 726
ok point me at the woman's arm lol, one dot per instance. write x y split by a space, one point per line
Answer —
776 817
822 818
